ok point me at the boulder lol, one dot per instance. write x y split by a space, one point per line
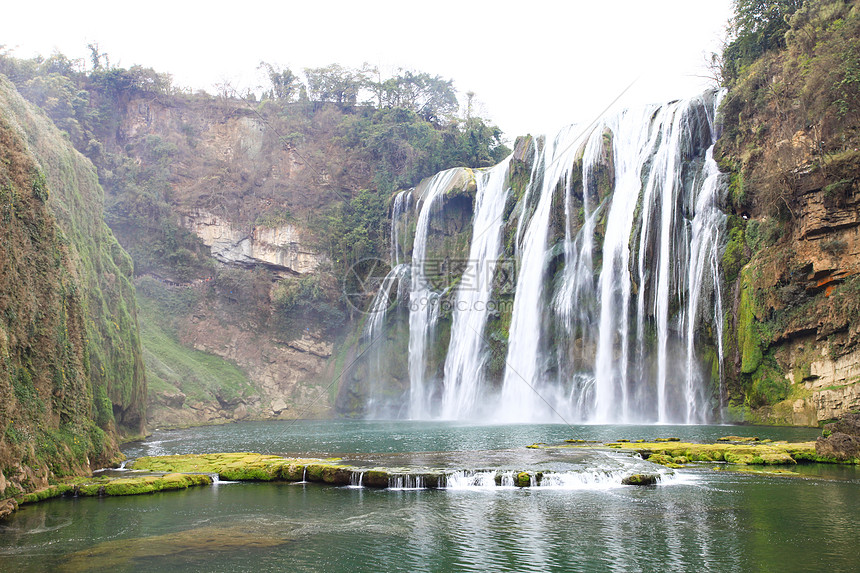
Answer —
841 439
640 479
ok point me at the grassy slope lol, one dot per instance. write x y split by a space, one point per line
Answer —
172 367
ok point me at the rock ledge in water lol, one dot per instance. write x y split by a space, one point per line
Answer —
841 439
739 451
640 479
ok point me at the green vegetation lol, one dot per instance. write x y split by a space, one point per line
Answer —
172 367
103 486
71 374
791 126
362 134
734 256
734 451
302 301
756 27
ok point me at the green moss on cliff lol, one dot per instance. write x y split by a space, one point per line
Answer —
734 256
791 128
748 337
71 376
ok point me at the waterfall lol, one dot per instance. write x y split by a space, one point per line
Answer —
399 211
616 235
704 272
521 388
575 304
423 298
390 290
467 352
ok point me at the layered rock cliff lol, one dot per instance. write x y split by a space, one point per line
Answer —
791 144
241 201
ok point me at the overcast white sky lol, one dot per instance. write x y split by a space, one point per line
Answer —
535 65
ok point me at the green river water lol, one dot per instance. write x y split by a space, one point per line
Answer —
698 519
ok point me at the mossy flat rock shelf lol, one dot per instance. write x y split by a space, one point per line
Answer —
183 471
259 467
674 453
104 486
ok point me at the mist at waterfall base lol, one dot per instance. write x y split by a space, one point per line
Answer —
605 261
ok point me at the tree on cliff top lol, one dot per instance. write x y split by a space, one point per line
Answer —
756 27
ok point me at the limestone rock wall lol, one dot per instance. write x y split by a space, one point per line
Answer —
283 247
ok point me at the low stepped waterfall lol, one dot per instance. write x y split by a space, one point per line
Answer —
578 280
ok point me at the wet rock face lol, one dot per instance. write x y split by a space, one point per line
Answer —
841 440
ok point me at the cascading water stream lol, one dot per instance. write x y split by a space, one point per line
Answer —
520 396
633 141
379 307
423 307
575 303
704 270
467 352
402 203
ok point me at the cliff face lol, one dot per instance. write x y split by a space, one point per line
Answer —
222 305
791 139
71 374
242 218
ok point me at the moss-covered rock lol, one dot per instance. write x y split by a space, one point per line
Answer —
740 451
102 486
640 479
71 374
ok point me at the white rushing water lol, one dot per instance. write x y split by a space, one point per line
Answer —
586 479
521 396
467 351
423 299
617 242
390 290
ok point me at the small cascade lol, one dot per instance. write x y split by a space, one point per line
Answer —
585 479
593 479
216 479
473 479
356 480
406 482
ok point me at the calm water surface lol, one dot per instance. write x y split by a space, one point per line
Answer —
335 437
702 520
